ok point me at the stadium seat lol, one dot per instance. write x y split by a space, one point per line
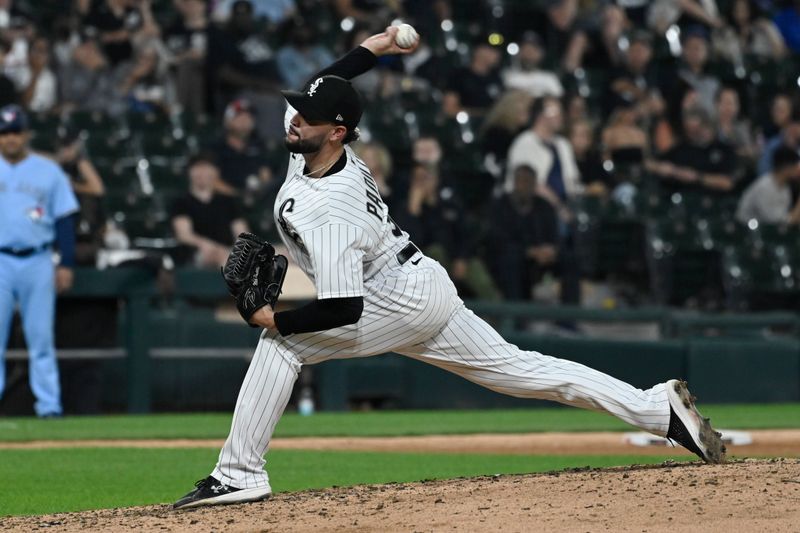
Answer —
390 128
761 278
699 205
198 128
683 263
44 122
93 122
105 151
777 234
609 239
721 233
43 140
169 179
164 149
153 122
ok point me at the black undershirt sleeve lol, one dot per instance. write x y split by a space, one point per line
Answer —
320 315
354 63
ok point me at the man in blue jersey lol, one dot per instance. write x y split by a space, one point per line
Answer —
36 204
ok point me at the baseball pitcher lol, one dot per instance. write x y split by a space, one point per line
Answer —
377 293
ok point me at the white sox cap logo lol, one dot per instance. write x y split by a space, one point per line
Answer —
313 88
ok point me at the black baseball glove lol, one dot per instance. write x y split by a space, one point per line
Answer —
254 274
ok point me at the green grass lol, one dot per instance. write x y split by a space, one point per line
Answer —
60 480
376 423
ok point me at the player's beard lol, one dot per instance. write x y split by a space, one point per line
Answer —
305 146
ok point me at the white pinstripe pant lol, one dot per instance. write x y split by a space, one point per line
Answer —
415 311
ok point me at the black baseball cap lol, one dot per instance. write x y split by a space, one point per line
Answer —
328 99
13 119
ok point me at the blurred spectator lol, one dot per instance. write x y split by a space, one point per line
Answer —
433 217
577 108
598 48
274 11
19 32
11 14
186 39
635 79
117 24
732 129
635 10
556 26
241 63
769 198
8 92
594 177
780 114
693 68
475 88
38 83
788 136
664 13
206 221
240 156
668 123
542 148
302 56
428 15
89 83
788 22
367 11
625 144
699 161
505 120
89 189
523 236
748 34
146 87
551 156
427 150
379 162
66 36
525 70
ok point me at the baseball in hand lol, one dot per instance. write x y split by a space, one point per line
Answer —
406 36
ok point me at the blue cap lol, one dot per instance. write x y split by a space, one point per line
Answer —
13 119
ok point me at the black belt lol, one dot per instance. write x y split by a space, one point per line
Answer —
406 253
24 252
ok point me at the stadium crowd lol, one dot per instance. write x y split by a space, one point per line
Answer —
519 141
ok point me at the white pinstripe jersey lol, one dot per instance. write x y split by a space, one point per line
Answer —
337 228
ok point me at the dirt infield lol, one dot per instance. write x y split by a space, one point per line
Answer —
765 443
750 495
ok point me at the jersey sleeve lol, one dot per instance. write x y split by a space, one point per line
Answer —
62 198
337 255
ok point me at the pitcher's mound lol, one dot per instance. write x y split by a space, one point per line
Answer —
746 495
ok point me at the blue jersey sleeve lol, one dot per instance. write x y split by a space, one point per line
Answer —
62 198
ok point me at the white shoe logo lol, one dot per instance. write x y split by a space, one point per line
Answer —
217 488
313 88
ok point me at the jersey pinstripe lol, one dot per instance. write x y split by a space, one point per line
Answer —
413 309
337 228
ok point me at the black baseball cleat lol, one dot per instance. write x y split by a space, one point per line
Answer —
209 491
688 428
